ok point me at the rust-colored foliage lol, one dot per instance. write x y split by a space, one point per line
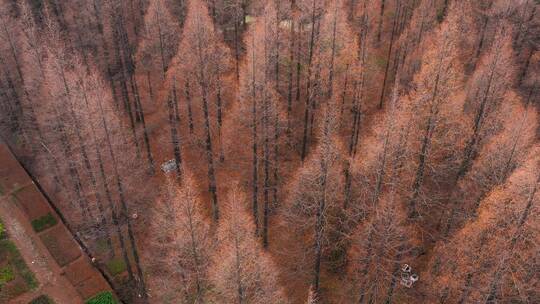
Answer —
250 151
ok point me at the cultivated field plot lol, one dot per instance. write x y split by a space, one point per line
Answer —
15 276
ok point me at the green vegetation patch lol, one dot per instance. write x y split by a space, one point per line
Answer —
15 260
44 222
116 266
104 297
2 231
6 274
43 299
15 276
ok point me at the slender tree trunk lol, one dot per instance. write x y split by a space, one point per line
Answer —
255 163
219 116
72 168
236 48
203 83
381 171
298 61
190 112
291 60
104 222
379 26
308 89
365 270
419 176
344 92
276 156
175 139
12 49
426 142
348 182
150 89
393 282
97 16
470 148
392 36
146 138
238 271
278 45
125 96
357 109
82 48
332 57
16 108
266 161
482 38
125 212
210 158
86 161
194 253
319 228
161 48
313 102
525 68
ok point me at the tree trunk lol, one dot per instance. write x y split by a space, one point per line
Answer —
482 38
161 48
219 116
266 161
291 60
366 267
278 45
150 90
308 89
344 92
419 176
125 97
426 142
470 148
190 112
73 172
236 48
392 36
393 282
12 49
332 58
379 26
525 68
319 228
276 156
210 158
255 163
146 138
173 123
105 186
125 212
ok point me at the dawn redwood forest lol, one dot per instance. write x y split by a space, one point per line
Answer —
285 151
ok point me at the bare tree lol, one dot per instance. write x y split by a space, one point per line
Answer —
242 272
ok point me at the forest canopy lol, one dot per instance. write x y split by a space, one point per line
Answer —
285 151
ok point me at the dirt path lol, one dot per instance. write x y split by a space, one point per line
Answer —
36 256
